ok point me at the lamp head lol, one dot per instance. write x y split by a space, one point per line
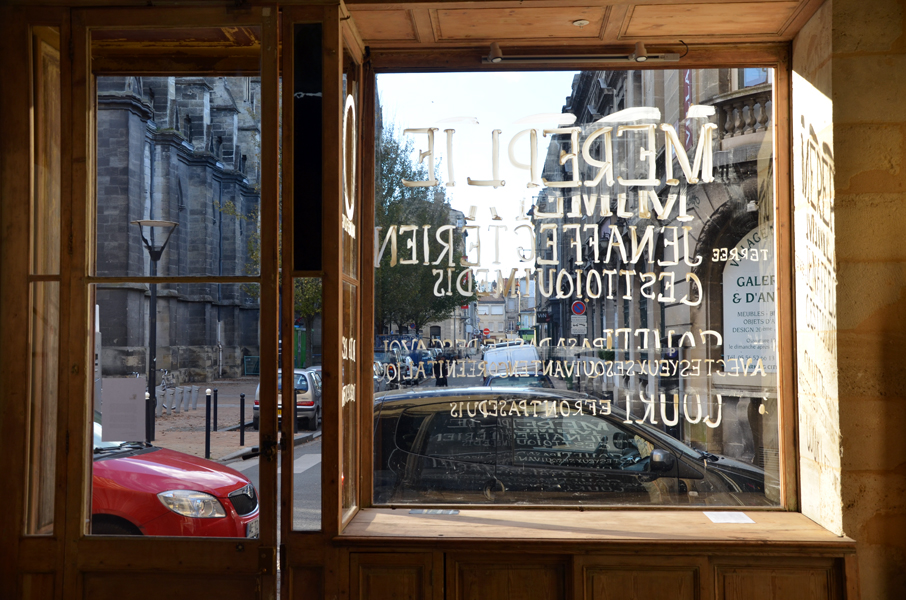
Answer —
495 55
640 54
166 227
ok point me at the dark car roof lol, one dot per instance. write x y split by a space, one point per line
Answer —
394 400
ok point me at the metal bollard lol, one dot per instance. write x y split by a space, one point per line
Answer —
241 420
295 413
207 423
215 409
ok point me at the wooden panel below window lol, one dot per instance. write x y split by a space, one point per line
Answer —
36 586
776 584
403 576
308 583
121 585
649 583
488 578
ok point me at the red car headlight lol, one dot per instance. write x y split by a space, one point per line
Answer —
187 503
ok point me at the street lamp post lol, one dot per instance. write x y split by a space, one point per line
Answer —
154 253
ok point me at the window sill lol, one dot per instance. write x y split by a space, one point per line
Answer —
623 527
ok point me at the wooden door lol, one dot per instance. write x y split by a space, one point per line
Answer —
322 207
147 87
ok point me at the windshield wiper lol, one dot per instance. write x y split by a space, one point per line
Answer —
123 446
707 455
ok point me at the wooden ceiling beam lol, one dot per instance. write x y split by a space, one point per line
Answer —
456 24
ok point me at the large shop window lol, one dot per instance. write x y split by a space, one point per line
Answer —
575 289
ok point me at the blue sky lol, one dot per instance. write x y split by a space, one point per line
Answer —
497 100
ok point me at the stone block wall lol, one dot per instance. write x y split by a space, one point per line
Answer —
165 151
853 55
869 75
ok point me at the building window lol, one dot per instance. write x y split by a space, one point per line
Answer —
752 77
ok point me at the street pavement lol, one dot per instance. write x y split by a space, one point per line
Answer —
306 483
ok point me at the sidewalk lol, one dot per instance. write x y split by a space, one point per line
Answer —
184 431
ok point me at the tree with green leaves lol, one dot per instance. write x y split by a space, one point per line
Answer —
307 298
404 293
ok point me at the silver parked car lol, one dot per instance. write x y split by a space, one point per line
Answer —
307 389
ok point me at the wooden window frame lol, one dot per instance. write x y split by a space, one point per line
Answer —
775 56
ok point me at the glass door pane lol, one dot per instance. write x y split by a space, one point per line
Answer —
351 236
44 272
177 291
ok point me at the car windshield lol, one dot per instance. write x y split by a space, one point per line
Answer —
99 443
101 446
534 381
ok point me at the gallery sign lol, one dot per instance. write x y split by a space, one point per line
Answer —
749 300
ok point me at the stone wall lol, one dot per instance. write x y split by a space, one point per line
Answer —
171 149
855 55
869 53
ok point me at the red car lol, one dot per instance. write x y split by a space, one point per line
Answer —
142 490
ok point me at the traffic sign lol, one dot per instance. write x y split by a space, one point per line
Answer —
578 307
578 325
486 331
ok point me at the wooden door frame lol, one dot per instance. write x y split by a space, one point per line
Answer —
35 561
98 554
309 557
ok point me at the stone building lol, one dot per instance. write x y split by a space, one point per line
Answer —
179 149
663 316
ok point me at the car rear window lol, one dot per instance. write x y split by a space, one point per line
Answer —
300 383
438 434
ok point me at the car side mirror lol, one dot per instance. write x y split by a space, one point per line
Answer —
661 461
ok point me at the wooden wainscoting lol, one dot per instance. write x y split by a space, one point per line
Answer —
603 555
791 579
472 576
658 576
630 573
396 576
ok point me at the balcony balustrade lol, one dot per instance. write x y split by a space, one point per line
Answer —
744 116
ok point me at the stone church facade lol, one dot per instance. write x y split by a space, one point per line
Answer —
185 150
